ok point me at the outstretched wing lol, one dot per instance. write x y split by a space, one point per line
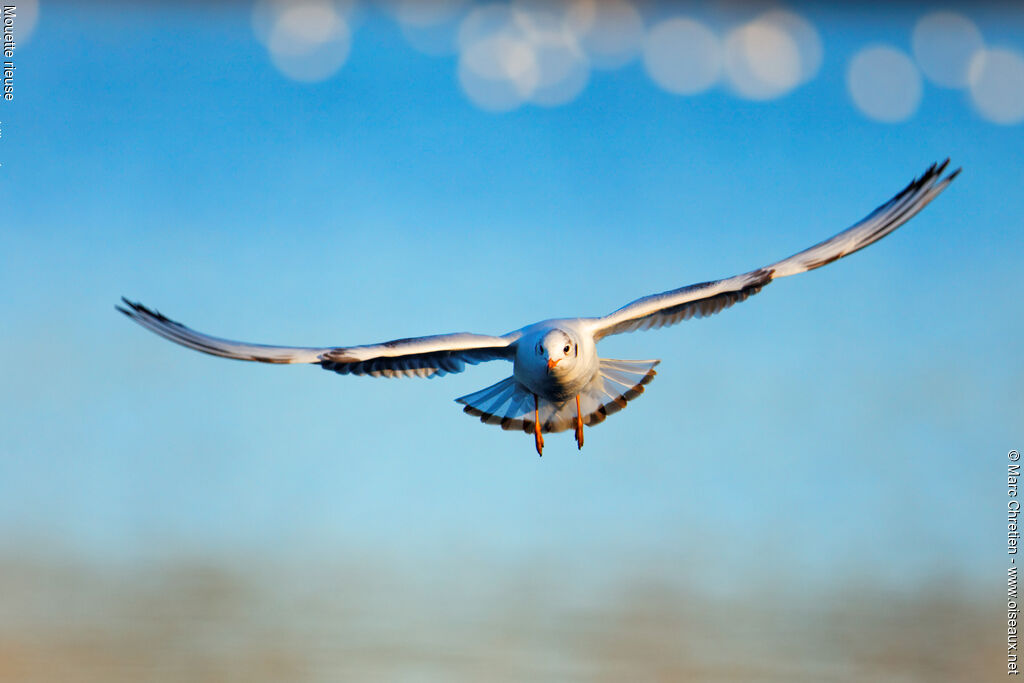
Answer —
708 298
420 357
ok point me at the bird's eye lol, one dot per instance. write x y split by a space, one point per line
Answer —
566 349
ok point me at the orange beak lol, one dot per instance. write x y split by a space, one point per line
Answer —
552 362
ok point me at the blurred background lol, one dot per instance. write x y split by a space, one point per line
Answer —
811 489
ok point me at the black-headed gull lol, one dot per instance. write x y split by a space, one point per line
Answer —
558 381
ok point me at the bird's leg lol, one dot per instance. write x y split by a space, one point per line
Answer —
579 425
538 438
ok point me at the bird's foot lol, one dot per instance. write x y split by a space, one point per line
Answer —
579 425
538 437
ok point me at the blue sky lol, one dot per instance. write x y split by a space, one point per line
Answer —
850 420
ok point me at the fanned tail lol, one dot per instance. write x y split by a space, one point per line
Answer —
510 404
506 404
617 383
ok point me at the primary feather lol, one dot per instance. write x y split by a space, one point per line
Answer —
707 298
419 357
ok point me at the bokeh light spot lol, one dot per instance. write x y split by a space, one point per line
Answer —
611 31
771 55
498 72
682 56
308 41
761 61
884 84
944 44
27 18
804 36
304 25
562 68
511 55
996 79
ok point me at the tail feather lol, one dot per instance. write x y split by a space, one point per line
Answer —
499 404
511 405
618 382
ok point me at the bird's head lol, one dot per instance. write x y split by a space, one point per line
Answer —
559 349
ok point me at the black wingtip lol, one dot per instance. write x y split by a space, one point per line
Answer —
132 305
139 310
132 309
939 169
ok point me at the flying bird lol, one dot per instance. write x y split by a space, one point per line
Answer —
558 381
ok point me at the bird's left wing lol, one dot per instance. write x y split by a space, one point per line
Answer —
419 357
708 298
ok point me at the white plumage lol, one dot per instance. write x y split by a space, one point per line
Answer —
558 381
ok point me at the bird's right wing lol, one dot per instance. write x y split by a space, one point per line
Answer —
708 298
418 357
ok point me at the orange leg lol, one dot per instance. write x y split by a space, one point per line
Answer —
579 425
538 438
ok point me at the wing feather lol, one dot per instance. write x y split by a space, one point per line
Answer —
432 356
708 298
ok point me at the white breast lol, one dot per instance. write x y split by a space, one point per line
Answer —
569 377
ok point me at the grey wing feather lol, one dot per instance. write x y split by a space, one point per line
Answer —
417 357
155 321
708 298
420 357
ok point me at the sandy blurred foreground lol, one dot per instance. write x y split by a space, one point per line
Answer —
198 620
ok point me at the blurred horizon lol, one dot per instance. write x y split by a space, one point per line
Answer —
198 619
